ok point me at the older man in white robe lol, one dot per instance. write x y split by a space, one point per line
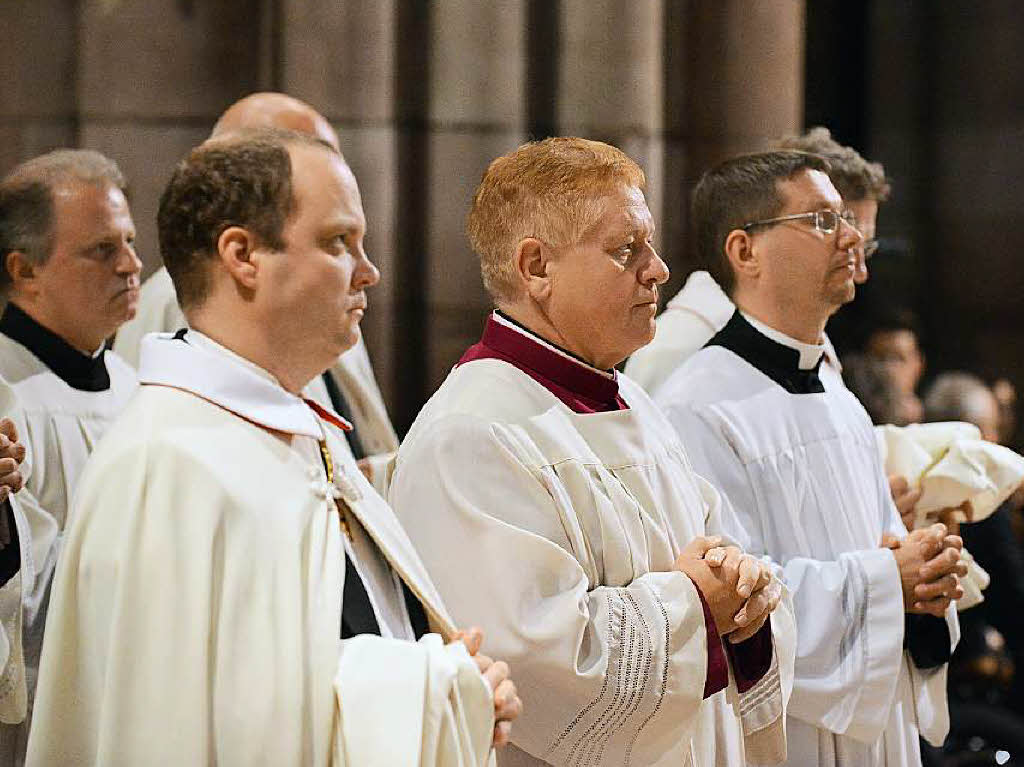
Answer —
71 275
795 452
570 503
232 590
349 386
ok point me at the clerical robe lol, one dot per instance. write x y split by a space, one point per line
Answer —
355 394
549 501
67 400
197 608
794 451
27 534
698 311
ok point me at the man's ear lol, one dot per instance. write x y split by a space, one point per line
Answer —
236 248
533 259
21 271
742 255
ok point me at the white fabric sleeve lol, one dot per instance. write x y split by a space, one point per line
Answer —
849 611
612 672
421 703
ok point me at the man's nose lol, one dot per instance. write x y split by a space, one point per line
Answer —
366 273
655 271
128 262
849 235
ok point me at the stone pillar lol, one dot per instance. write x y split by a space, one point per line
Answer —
734 72
356 92
477 111
152 79
38 40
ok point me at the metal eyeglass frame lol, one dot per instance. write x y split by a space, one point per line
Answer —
819 217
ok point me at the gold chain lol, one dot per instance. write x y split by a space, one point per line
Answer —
329 466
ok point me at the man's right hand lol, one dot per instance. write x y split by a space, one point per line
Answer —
930 567
718 584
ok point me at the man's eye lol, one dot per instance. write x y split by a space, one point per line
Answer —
625 252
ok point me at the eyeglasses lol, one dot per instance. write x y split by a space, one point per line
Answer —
825 221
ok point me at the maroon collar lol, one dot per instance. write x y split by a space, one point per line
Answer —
581 388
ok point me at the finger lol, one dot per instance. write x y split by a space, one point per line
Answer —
506 701
496 673
898 485
715 557
483 662
731 565
502 733
943 587
749 575
8 465
953 542
20 452
907 501
8 429
940 565
745 633
765 576
14 481
700 545
936 607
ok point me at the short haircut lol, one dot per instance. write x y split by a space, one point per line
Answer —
956 396
736 192
553 190
27 200
244 179
854 177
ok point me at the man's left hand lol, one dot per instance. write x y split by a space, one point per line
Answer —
507 705
12 453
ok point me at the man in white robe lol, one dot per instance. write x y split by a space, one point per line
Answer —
349 387
567 497
795 453
702 308
232 590
26 559
71 277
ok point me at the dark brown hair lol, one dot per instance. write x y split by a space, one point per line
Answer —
736 192
854 177
242 180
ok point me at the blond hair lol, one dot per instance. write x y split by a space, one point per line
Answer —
553 190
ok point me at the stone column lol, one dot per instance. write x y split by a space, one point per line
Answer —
339 56
38 40
152 79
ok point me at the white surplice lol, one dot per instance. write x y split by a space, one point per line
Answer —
196 610
21 596
158 312
556 532
62 426
804 475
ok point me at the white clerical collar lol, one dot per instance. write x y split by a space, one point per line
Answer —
705 298
809 353
512 325
196 363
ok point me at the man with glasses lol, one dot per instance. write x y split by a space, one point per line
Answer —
701 308
794 452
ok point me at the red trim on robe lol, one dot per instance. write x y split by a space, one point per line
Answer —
327 415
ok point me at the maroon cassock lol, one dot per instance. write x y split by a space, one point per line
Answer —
585 389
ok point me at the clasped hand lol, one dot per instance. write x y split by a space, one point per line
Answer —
507 705
12 453
930 569
740 590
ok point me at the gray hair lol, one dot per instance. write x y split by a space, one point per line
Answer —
26 200
956 397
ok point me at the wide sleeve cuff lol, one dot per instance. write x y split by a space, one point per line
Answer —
752 658
717 678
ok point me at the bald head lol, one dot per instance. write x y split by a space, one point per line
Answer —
275 110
